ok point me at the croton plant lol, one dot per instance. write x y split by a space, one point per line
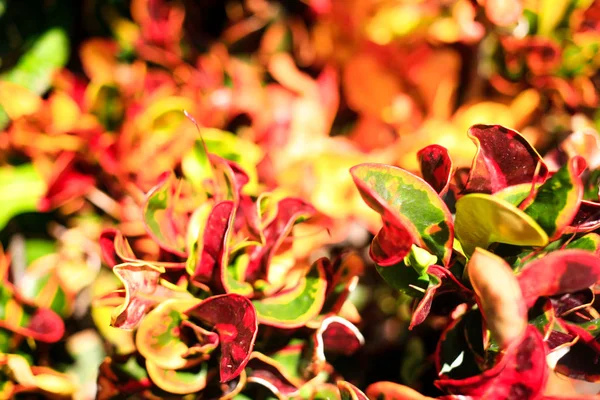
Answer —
230 306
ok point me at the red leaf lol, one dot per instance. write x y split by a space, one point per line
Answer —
436 167
392 243
559 272
214 256
340 336
504 158
234 318
519 375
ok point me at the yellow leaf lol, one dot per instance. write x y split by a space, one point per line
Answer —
483 219
499 295
17 100
65 112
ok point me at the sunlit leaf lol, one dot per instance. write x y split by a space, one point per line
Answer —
504 158
21 187
35 69
18 101
411 210
558 199
46 380
483 219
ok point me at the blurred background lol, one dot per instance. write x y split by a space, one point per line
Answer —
296 92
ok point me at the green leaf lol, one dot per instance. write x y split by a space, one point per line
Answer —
412 206
405 279
589 242
36 248
295 307
558 199
483 219
21 188
419 259
35 68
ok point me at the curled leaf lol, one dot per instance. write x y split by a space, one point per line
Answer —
436 167
270 373
234 318
295 307
412 213
504 158
586 219
335 335
211 246
289 211
158 339
181 381
140 282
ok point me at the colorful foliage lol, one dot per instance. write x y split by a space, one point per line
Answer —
189 189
